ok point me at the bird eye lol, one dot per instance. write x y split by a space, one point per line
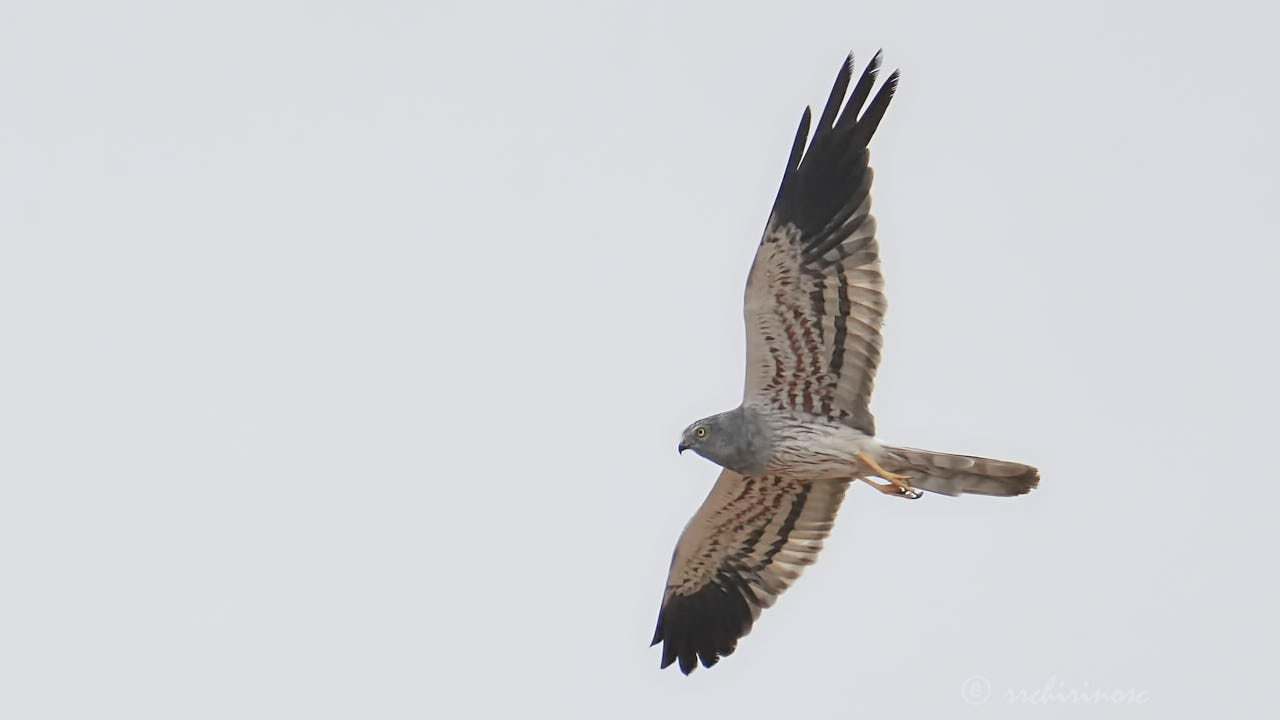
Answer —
700 432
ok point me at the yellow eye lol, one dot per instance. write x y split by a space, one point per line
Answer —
700 432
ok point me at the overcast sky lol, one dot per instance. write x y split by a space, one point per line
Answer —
344 352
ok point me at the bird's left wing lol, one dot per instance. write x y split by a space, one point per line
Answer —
814 298
747 543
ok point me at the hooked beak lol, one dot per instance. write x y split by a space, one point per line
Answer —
682 447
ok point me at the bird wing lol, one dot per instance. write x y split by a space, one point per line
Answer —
747 543
814 299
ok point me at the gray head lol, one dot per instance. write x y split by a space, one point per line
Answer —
736 440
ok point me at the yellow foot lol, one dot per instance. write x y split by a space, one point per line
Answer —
896 489
894 478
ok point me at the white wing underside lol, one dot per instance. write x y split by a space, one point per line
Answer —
814 300
748 542
813 329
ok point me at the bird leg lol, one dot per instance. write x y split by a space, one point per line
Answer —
897 483
894 478
892 488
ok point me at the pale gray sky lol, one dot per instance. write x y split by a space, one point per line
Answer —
344 351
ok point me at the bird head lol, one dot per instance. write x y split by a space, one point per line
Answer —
697 436
726 440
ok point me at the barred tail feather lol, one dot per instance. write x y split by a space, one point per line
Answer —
957 474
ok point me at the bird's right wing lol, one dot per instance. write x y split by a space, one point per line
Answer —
747 543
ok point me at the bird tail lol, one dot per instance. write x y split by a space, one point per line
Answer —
956 474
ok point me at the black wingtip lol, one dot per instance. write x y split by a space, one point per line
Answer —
836 97
802 135
892 81
870 120
861 91
704 626
797 152
830 176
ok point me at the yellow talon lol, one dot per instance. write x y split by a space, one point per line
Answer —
900 490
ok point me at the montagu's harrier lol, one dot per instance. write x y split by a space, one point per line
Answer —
803 433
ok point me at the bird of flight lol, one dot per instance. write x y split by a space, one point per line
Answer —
803 433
